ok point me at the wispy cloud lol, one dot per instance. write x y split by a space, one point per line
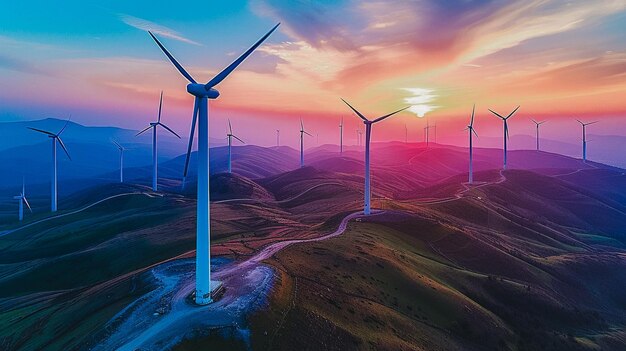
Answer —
143 24
420 100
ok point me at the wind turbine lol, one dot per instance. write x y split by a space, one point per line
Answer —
22 199
471 130
359 134
277 137
427 132
506 129
368 133
203 92
122 149
537 131
53 184
584 125
341 136
230 139
154 126
302 132
406 134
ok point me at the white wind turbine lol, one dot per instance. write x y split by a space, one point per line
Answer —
53 184
537 124
23 201
230 136
471 130
406 134
368 135
203 92
506 131
341 136
154 126
584 125
122 149
302 132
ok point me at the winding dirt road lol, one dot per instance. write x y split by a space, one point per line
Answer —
163 317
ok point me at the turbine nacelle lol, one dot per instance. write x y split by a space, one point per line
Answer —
201 90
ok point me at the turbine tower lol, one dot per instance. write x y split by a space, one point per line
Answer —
122 149
537 124
341 137
154 126
53 184
584 125
368 134
506 130
406 134
302 132
230 136
277 137
427 132
471 130
22 200
203 92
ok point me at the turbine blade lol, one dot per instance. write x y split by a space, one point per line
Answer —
148 127
234 136
579 121
301 125
226 71
512 113
389 115
474 131
64 126
27 204
173 60
307 133
592 122
532 119
41 131
230 127
472 120
495 113
168 128
117 144
160 105
355 111
64 148
191 133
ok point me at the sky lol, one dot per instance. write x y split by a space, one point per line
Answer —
559 60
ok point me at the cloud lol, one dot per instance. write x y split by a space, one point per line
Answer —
20 65
146 25
419 100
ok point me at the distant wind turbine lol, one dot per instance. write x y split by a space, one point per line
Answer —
277 137
154 126
368 134
406 134
341 136
427 132
506 130
537 124
23 201
53 184
230 139
584 125
302 132
359 134
122 149
203 92
471 132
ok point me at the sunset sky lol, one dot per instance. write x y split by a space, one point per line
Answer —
559 60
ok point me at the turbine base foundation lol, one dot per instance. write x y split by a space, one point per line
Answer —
217 289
